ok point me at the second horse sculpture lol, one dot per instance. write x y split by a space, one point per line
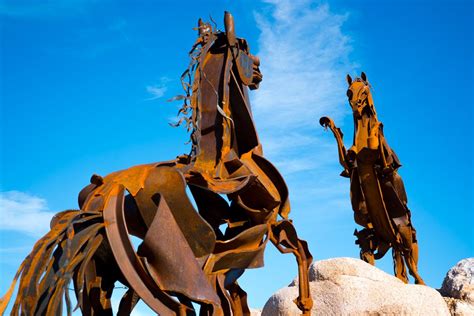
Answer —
183 256
378 195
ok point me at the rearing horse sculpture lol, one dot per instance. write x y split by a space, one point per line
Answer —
378 195
183 256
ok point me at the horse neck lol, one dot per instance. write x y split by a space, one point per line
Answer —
211 127
223 115
367 125
370 103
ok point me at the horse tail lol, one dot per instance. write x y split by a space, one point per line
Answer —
62 255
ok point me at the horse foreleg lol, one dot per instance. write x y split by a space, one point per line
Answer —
366 245
341 149
283 236
304 301
367 256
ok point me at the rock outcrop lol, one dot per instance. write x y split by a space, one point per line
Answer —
458 288
347 286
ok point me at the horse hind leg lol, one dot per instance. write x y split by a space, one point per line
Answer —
399 265
238 300
410 252
411 259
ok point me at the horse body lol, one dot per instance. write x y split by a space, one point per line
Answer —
378 194
183 256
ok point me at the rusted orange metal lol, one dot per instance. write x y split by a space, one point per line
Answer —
378 195
184 257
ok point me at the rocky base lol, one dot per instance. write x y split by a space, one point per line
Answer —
347 286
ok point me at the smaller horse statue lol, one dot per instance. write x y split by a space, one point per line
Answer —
378 195
188 253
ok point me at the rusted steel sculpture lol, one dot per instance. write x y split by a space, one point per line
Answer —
183 256
378 195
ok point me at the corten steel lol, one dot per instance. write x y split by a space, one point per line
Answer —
378 195
183 257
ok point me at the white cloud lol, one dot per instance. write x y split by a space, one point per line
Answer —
24 213
304 55
305 58
157 90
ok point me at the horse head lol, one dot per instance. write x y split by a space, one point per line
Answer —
213 42
366 124
359 96
242 57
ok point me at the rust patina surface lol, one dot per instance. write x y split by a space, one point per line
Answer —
378 195
183 256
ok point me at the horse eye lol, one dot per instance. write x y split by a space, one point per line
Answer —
349 94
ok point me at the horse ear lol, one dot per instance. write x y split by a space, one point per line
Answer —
200 26
229 28
349 79
363 76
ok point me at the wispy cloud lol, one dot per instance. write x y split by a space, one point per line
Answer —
157 90
24 213
304 55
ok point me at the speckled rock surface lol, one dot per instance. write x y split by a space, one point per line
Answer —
459 281
458 288
459 307
347 286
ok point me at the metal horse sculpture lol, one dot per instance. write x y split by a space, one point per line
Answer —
378 195
183 256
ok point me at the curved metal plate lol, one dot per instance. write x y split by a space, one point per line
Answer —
127 260
376 205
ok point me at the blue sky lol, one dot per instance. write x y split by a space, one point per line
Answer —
84 85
